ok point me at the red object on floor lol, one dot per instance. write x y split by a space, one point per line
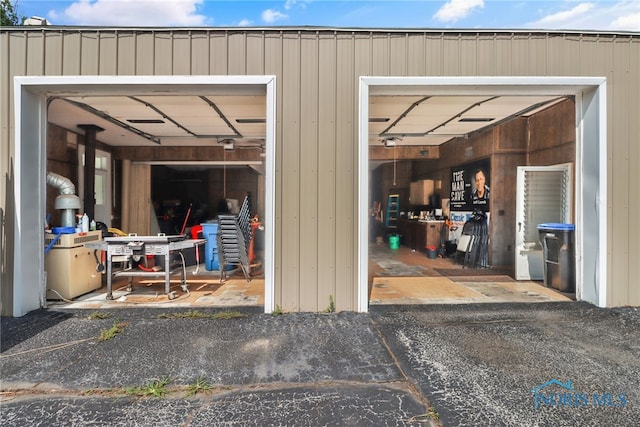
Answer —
195 231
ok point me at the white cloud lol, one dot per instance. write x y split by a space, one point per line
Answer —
270 16
551 21
245 23
289 4
607 16
627 23
455 10
134 13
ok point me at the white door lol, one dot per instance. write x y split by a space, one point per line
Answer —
543 196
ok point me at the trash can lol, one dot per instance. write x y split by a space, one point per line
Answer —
558 248
210 232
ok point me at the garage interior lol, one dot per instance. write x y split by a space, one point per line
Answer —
176 161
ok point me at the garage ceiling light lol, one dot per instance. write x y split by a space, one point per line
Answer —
476 119
247 121
146 121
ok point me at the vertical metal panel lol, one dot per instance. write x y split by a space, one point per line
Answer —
108 61
145 54
35 54
292 277
164 52
346 174
486 55
520 55
416 59
53 54
89 53
310 297
237 53
450 55
219 53
126 59
273 66
379 54
621 182
327 184
632 110
537 55
398 55
200 53
469 56
434 48
255 54
363 54
504 57
181 53
71 57
560 56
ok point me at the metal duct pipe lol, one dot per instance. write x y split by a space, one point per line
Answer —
62 183
67 201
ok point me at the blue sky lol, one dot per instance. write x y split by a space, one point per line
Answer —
600 15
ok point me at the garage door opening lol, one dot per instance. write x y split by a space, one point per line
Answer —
431 112
136 145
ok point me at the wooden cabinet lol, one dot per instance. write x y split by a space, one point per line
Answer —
420 191
418 235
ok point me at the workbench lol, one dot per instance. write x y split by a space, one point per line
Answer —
125 247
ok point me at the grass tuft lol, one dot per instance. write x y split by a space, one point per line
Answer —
97 315
108 334
196 314
201 385
157 388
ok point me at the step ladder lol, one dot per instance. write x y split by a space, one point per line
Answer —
393 212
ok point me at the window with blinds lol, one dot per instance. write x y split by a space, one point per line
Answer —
546 198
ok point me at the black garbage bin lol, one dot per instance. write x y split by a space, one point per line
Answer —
558 247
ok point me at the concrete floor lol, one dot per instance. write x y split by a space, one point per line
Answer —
395 277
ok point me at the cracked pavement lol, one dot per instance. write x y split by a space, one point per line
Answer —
473 364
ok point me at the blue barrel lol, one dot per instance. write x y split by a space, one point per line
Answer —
210 232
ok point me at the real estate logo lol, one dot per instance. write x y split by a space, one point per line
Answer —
569 397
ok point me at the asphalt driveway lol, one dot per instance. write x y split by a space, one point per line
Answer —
453 365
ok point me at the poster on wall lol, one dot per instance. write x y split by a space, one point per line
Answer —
470 191
470 187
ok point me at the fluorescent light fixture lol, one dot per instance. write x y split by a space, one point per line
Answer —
146 121
250 121
477 119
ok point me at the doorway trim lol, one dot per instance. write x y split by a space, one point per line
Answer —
591 162
30 95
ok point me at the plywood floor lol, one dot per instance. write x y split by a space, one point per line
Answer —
395 277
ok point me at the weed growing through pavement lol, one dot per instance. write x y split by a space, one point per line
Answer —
332 306
97 315
201 385
196 314
431 414
157 388
276 311
107 334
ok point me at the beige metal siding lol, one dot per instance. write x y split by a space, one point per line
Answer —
316 130
633 139
309 148
327 215
346 174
